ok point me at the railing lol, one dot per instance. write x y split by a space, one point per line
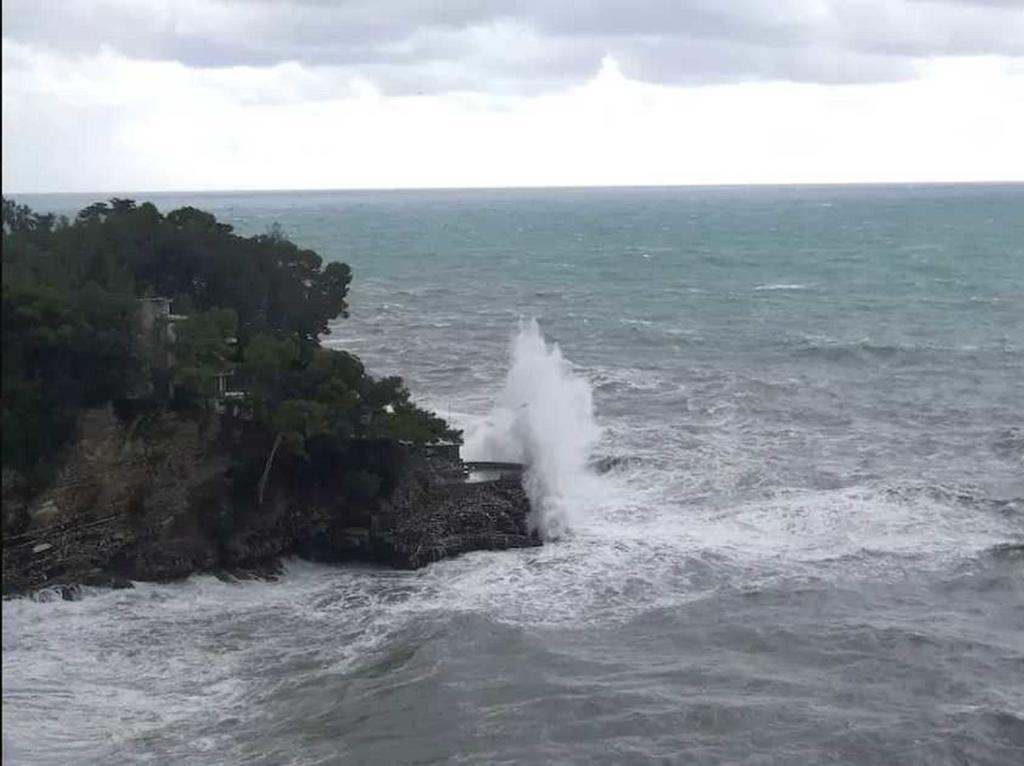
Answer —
478 471
491 465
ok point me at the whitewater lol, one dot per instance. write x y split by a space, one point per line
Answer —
775 447
544 419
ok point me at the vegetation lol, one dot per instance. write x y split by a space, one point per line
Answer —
256 307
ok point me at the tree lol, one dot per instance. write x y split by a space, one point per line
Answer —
69 303
62 351
203 350
295 421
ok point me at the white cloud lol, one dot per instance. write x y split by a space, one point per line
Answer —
410 46
104 122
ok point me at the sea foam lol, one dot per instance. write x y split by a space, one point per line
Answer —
544 418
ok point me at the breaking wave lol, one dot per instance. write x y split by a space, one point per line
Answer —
544 418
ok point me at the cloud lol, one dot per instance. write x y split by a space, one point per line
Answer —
205 94
111 123
412 46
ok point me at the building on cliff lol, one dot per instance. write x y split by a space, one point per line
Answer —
155 338
154 346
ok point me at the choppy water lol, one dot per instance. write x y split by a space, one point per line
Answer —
811 548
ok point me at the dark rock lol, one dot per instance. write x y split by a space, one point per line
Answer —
70 592
613 463
434 521
163 507
100 579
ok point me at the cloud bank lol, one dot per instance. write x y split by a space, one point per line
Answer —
122 94
426 46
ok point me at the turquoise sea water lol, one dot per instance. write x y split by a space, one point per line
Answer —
808 549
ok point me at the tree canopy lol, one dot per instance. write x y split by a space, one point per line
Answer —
256 308
268 281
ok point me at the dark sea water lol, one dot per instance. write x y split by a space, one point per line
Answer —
809 547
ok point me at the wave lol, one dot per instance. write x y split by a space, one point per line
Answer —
638 558
830 347
544 418
782 286
870 351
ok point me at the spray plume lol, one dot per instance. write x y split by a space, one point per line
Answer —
543 418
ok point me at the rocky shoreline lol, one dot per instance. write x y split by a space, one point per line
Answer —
159 503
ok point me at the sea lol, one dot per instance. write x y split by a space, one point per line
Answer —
776 446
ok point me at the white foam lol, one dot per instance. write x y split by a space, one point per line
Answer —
781 286
125 672
544 418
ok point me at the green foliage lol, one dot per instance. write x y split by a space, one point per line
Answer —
389 412
203 349
32 427
299 419
265 361
255 305
271 284
359 405
62 350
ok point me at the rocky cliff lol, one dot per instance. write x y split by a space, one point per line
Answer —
158 498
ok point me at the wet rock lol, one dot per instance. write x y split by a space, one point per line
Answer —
611 463
165 509
440 521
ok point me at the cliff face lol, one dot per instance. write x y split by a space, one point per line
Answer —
156 499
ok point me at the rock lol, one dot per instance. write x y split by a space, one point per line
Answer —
166 509
71 592
45 514
613 462
445 520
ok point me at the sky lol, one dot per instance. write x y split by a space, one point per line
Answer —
151 95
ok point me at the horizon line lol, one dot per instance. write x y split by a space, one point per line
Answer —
553 187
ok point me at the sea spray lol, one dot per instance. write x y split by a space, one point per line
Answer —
544 418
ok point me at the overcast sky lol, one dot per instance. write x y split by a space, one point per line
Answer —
127 95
